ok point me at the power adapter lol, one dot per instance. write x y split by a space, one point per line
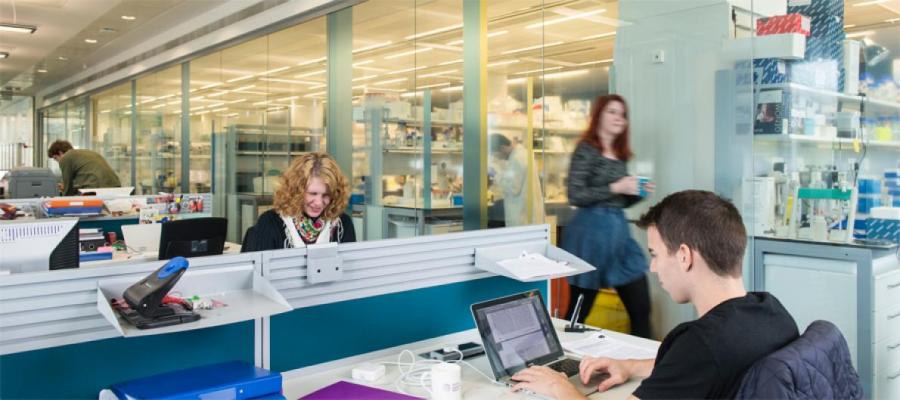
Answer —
369 372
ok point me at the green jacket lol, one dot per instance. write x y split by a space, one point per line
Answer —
82 169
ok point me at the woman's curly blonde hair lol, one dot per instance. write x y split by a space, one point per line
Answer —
290 196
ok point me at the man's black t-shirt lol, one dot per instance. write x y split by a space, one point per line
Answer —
707 358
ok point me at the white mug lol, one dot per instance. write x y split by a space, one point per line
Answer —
446 381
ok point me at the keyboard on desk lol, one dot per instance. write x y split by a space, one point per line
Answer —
567 366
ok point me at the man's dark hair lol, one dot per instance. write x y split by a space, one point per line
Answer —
706 223
59 146
498 140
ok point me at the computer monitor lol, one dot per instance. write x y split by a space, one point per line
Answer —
38 245
192 237
29 182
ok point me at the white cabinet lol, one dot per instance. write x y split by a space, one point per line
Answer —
856 287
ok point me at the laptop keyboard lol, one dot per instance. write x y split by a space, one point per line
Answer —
567 366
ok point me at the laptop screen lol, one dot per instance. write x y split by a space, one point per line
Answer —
516 332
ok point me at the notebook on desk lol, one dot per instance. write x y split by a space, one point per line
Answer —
345 390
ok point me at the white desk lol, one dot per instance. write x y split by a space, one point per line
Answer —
120 257
306 380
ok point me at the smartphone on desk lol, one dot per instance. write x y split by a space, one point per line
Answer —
468 350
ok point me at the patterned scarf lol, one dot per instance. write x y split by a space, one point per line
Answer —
308 227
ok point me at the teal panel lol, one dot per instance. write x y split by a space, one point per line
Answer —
328 332
82 370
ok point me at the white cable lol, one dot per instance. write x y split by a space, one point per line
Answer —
418 373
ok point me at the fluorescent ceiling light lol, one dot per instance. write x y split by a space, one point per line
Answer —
17 28
608 60
433 86
216 94
312 61
499 63
434 32
537 70
172 103
407 53
858 34
197 108
232 115
869 3
105 111
400 71
374 46
238 79
438 73
364 78
363 62
165 97
390 81
91 41
515 81
315 94
272 71
42 70
373 69
566 74
3 55
244 88
288 98
532 47
598 36
236 101
411 94
319 86
61 58
219 109
282 80
849 26
260 103
317 72
215 105
211 85
489 35
451 62
892 20
129 17
375 89
452 89
564 19
159 105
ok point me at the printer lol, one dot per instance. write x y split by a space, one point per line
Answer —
28 182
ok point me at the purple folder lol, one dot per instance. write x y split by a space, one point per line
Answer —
345 390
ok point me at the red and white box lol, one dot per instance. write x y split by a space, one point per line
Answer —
789 23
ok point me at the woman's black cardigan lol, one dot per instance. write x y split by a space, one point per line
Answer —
268 233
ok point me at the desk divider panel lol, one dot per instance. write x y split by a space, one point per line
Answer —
47 316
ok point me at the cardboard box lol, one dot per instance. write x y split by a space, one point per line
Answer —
790 23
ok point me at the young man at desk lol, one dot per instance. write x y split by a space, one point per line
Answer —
696 241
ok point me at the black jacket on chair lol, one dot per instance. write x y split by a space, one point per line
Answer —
815 366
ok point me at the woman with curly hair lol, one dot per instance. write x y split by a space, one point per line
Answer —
309 208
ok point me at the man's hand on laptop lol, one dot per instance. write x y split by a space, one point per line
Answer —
617 371
547 382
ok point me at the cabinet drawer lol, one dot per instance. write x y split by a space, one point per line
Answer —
887 354
887 291
887 385
887 323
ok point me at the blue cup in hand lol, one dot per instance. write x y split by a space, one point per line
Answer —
642 185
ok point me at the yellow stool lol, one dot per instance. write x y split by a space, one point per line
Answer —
609 313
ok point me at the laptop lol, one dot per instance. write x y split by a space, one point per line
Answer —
517 333
143 238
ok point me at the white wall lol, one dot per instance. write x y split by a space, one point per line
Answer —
672 103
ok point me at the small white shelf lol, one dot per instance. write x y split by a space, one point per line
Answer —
813 140
487 258
419 151
248 296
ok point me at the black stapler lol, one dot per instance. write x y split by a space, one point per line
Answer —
145 308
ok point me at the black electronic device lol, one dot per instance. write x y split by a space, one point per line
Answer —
574 326
192 237
467 350
144 307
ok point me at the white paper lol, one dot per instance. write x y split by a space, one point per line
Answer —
595 346
533 265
